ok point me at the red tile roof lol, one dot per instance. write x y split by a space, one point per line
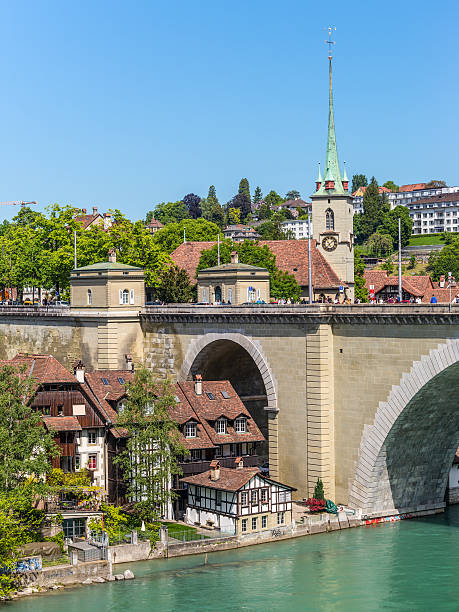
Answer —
417 286
291 257
155 223
63 423
412 187
230 479
43 368
442 197
361 191
86 220
209 410
113 392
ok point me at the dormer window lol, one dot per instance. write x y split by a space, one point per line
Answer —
220 426
190 430
240 425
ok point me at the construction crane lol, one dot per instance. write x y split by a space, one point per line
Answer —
16 203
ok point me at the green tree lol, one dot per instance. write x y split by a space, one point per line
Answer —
293 194
412 262
264 211
379 245
25 446
273 230
391 185
388 265
366 223
114 521
196 230
273 199
234 216
244 189
319 490
211 209
435 184
358 180
170 212
360 291
389 224
257 195
444 261
153 447
174 286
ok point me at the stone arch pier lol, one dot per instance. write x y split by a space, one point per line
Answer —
239 359
406 454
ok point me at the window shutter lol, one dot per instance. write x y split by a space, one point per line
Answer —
121 296
131 296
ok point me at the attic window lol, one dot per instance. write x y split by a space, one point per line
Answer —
210 395
225 394
105 381
295 269
121 380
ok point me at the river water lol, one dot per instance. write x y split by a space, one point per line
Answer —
410 565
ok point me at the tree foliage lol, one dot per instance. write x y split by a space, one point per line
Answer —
435 183
25 445
170 212
168 238
242 202
379 245
174 286
192 203
272 228
360 291
319 490
153 448
391 185
444 261
274 200
358 180
293 194
234 216
211 209
244 189
389 224
257 195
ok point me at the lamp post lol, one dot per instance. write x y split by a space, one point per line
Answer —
450 284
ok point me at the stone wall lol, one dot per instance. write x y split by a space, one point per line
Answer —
68 574
452 495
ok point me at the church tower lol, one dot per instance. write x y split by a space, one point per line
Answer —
332 206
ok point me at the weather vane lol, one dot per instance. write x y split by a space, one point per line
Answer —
330 42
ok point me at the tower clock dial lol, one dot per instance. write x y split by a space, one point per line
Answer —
329 243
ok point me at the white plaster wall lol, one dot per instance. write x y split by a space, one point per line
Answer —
85 449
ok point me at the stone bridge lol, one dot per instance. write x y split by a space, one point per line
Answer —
365 397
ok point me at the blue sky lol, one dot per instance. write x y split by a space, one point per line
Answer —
126 104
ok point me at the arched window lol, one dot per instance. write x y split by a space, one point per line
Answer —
125 296
329 219
89 297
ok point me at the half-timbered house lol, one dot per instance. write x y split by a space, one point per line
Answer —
237 501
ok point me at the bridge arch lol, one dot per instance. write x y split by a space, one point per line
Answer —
201 349
406 454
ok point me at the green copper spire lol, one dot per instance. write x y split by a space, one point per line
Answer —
332 172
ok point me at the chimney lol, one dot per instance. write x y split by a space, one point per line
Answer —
94 210
129 362
198 384
234 257
239 463
78 370
442 281
112 256
107 220
214 470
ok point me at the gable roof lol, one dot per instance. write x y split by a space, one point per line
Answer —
417 286
209 410
412 187
86 220
230 479
113 392
291 257
43 368
61 423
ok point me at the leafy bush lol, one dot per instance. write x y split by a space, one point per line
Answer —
114 521
57 478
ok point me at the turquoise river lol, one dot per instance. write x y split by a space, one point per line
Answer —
410 565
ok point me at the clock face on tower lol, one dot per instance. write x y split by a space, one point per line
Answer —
329 243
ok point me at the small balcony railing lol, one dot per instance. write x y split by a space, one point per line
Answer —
196 467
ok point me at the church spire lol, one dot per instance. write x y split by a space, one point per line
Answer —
332 180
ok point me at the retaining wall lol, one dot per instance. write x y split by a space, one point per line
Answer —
68 574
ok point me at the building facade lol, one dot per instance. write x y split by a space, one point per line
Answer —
237 501
233 283
240 232
298 228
